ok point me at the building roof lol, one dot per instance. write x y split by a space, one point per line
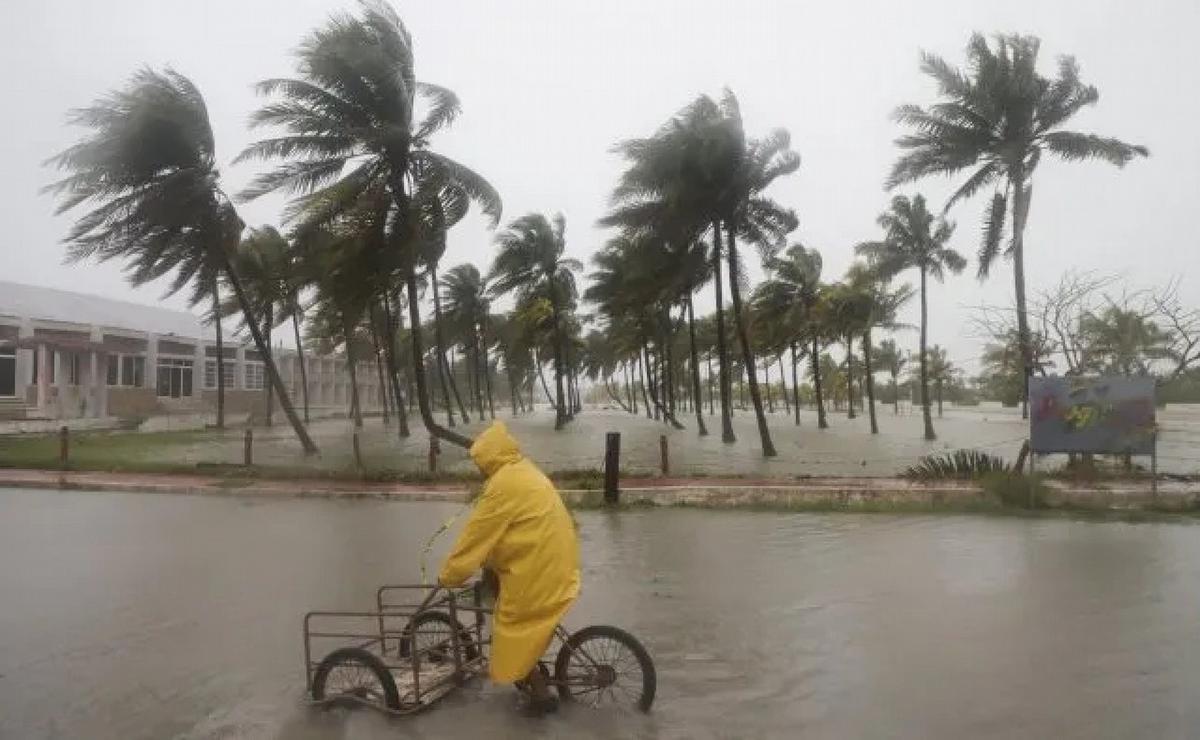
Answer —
50 304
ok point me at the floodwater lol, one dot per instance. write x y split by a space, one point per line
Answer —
846 448
143 617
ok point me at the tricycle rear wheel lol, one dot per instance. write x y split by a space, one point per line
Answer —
355 674
605 665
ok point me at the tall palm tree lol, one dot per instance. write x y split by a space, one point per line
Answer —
1124 341
874 304
892 361
941 371
352 127
149 173
997 118
915 239
468 310
532 260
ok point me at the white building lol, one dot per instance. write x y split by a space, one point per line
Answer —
68 355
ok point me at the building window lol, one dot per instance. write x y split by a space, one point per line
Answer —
229 369
8 372
174 377
254 376
73 369
126 370
113 370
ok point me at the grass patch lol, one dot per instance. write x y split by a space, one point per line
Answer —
1016 491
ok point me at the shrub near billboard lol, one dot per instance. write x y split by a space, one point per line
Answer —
1103 415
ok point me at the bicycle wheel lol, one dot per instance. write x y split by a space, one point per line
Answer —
603 665
354 673
431 636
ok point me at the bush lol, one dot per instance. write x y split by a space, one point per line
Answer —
959 465
1016 491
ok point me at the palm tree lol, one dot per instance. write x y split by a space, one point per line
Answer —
941 371
1124 341
997 118
531 261
352 129
468 310
873 303
915 239
892 361
149 173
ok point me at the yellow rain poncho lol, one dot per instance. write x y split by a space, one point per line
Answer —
521 528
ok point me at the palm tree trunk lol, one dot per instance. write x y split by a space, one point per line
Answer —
487 373
445 376
895 394
560 411
269 362
383 396
418 353
391 321
351 362
850 376
220 354
545 388
725 386
787 402
300 356
870 380
929 433
633 405
770 396
708 379
1019 216
822 423
939 395
614 394
641 381
735 293
270 397
450 377
695 366
795 386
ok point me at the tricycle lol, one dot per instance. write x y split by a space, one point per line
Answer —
421 642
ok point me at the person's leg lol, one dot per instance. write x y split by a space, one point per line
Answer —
538 689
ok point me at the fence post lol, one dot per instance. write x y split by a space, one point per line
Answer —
64 446
612 467
664 454
248 451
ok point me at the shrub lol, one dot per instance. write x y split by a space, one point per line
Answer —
1016 491
960 465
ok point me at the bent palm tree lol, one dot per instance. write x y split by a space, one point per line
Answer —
149 173
531 260
352 128
915 239
997 119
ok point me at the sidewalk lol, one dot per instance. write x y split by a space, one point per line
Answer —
842 492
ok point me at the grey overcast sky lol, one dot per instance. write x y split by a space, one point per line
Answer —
548 86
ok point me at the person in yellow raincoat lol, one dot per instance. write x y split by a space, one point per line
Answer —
523 531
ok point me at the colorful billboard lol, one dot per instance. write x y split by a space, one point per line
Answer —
1113 415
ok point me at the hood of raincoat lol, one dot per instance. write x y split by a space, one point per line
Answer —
494 449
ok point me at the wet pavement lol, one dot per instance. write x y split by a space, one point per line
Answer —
147 617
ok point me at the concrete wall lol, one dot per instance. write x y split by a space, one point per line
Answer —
132 402
239 402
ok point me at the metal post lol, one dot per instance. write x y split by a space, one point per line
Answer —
612 467
248 452
64 446
1154 468
664 454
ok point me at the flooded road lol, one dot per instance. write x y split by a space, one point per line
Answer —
156 616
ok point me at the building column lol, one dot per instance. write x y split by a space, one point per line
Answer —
99 394
93 394
60 383
239 369
198 371
25 362
150 371
43 379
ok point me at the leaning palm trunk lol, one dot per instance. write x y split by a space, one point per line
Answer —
393 367
1019 216
375 350
220 355
300 356
870 380
929 433
850 375
487 374
451 373
542 377
764 433
639 379
822 423
725 386
267 324
783 384
272 372
560 409
351 362
795 386
613 394
695 366
418 352
444 373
